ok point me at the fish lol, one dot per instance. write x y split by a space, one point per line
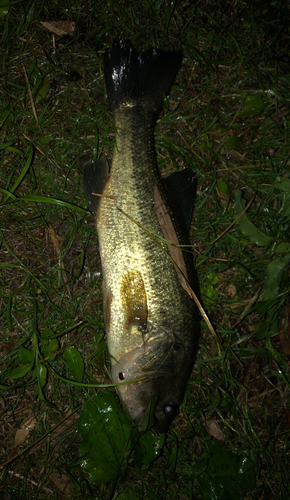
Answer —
143 221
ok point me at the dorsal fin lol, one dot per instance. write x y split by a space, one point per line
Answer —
182 185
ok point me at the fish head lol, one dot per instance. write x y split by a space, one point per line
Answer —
153 370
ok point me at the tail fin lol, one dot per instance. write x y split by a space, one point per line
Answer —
148 76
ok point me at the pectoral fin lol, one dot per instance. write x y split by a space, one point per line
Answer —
134 301
95 176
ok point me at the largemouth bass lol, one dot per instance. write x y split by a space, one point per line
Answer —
152 322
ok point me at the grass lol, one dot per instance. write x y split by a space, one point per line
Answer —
228 119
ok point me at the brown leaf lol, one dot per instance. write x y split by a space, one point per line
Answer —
62 482
55 239
24 431
59 27
213 429
284 343
231 291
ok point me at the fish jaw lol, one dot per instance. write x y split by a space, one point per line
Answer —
156 377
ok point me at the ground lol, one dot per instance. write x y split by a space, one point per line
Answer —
227 118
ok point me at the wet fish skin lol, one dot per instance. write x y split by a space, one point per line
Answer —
152 323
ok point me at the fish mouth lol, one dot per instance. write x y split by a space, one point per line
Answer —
128 370
136 394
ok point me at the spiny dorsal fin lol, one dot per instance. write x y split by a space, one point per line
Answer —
182 185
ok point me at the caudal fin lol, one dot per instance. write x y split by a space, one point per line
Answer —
145 78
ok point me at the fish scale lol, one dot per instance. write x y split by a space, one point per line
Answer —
135 248
152 323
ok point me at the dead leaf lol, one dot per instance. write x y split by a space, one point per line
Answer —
59 27
18 476
62 482
231 291
24 431
55 241
283 343
213 430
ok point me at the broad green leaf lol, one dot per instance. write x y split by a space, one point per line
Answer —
47 333
246 225
105 430
253 105
282 248
44 140
148 448
213 278
223 474
210 293
6 117
274 275
43 91
74 362
205 146
4 7
232 142
25 355
42 373
19 372
222 187
49 347
210 36
283 183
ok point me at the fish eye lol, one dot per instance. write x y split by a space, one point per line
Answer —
170 409
121 376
